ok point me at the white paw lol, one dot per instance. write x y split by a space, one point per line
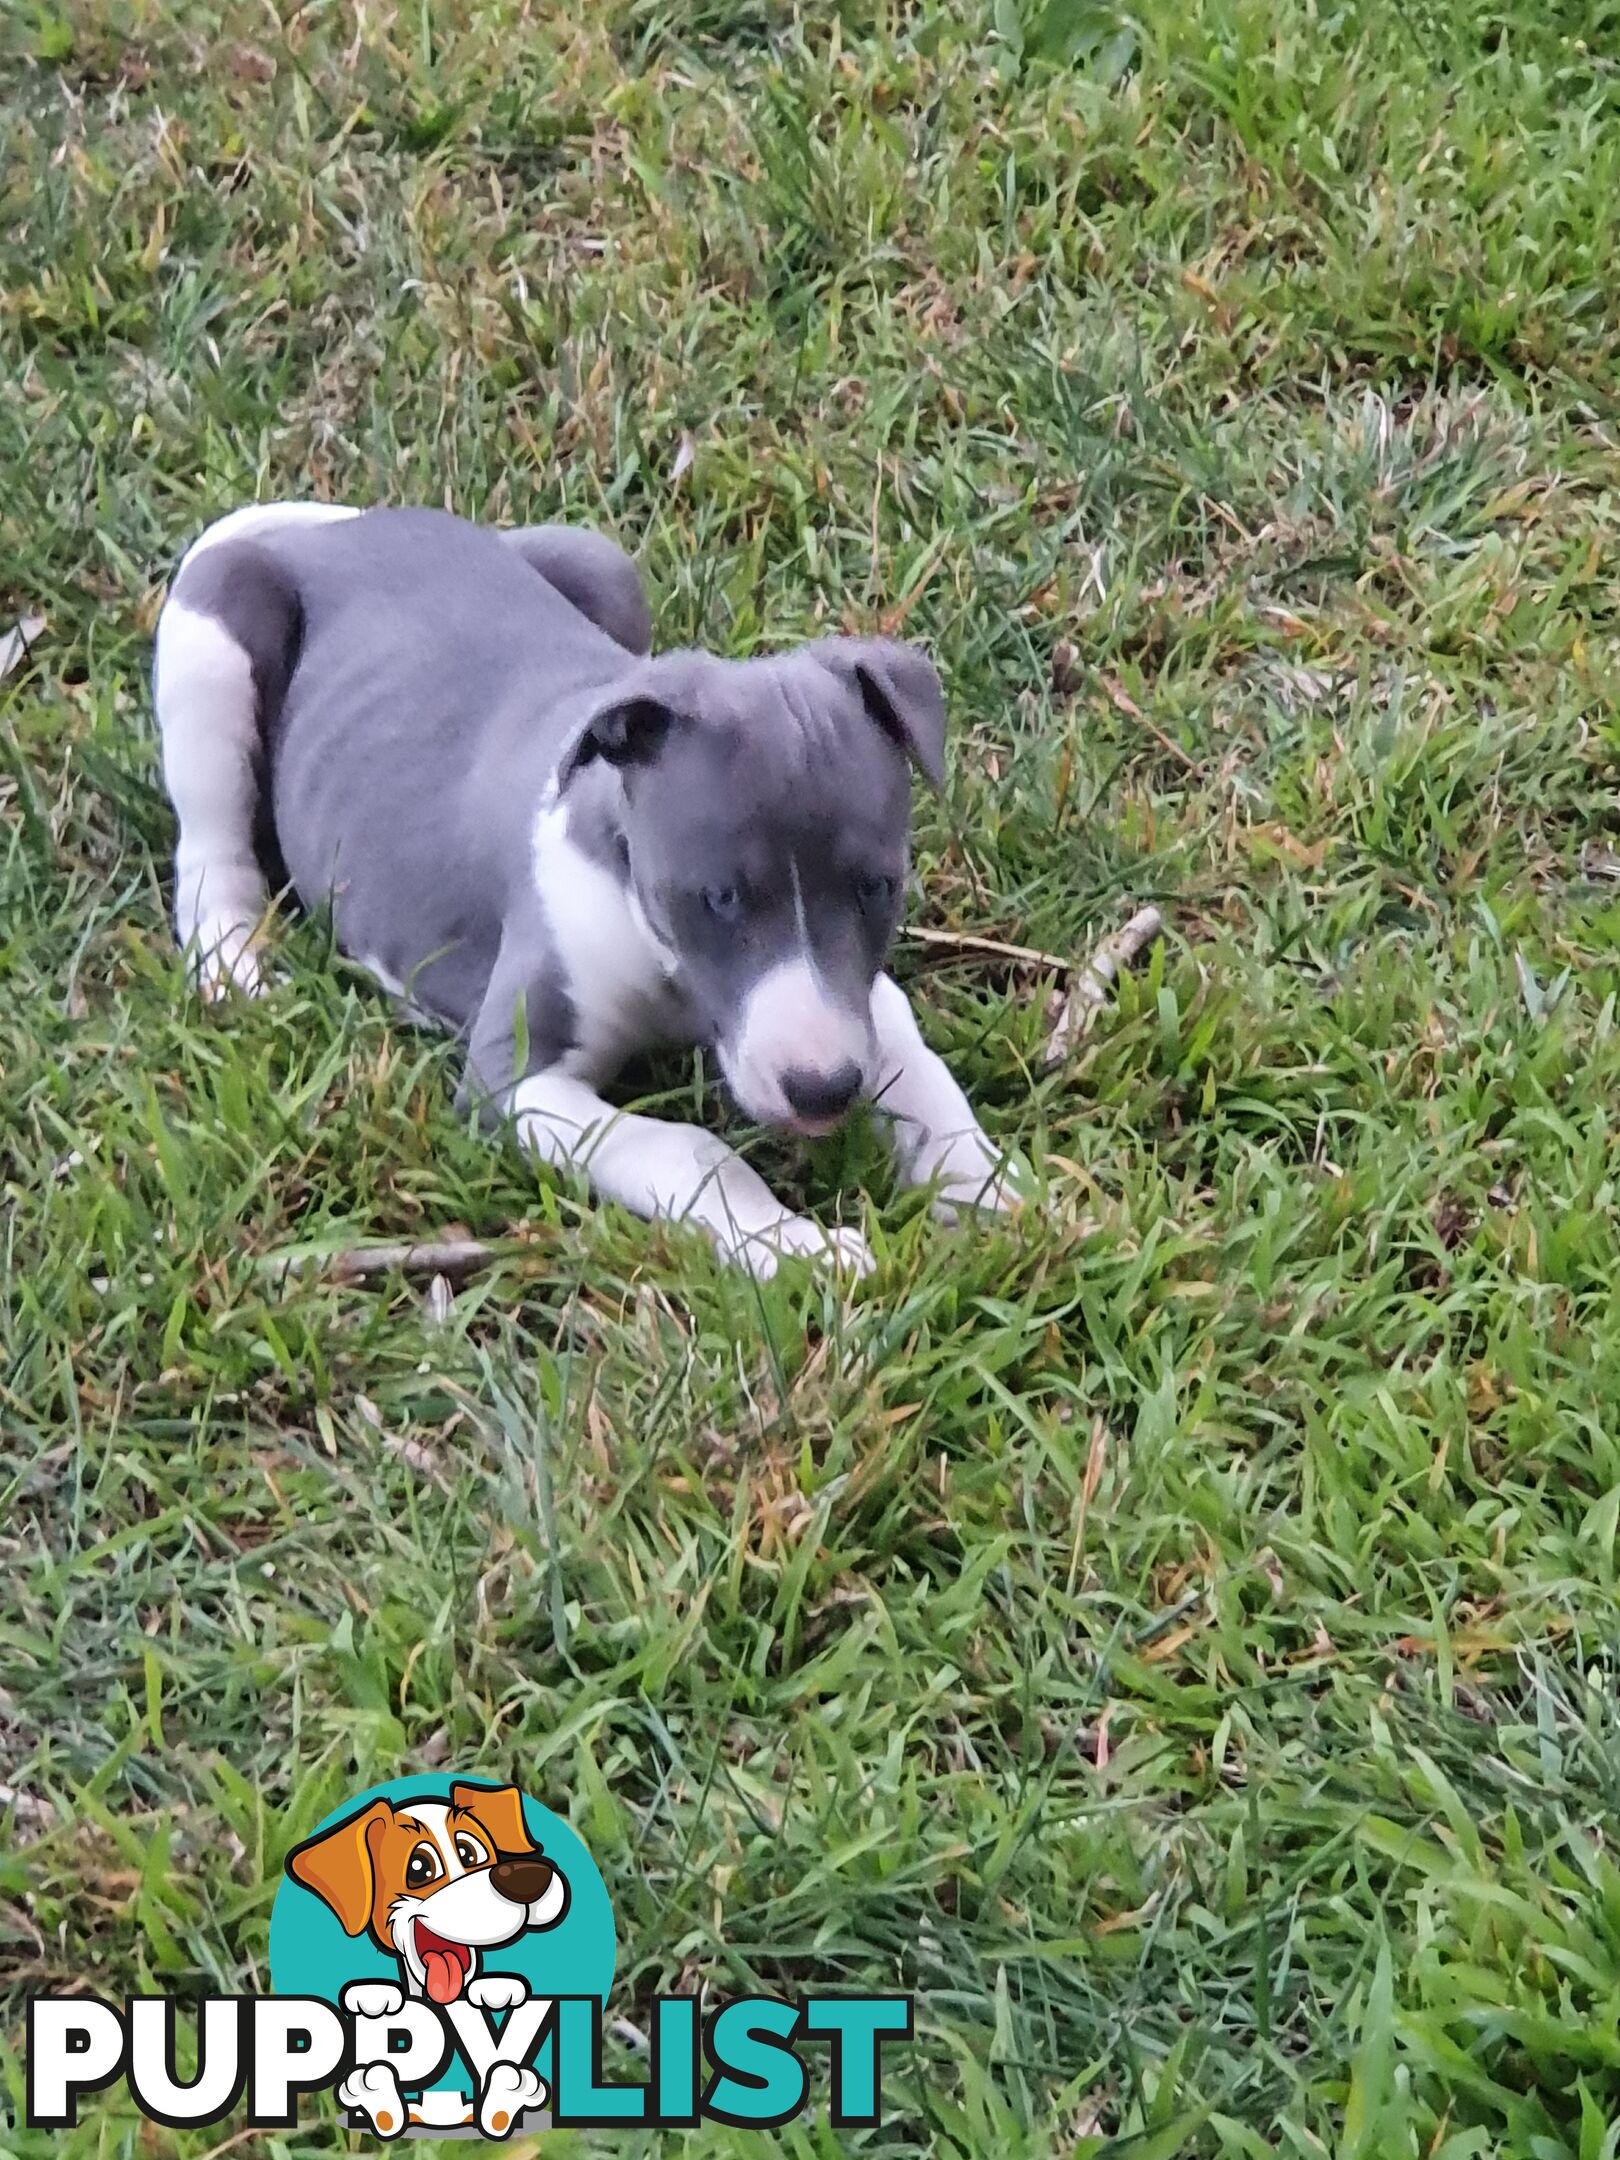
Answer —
497 1991
225 962
799 1237
965 1173
372 1998
509 2089
373 2091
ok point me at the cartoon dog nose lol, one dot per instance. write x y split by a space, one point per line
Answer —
821 1095
523 1881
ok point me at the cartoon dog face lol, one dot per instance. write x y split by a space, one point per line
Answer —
433 1882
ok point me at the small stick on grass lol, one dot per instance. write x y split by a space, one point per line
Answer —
1122 701
1088 992
26 1804
964 941
449 1257
17 643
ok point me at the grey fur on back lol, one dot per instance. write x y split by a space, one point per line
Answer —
425 686
417 677
563 847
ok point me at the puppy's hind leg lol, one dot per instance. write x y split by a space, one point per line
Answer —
595 574
229 624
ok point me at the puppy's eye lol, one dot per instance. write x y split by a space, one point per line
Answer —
876 892
723 901
469 1852
422 1867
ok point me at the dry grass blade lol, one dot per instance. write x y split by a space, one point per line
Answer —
1122 701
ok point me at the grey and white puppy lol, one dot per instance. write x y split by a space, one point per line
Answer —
562 847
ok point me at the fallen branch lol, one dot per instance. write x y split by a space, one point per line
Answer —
449 1257
963 941
1088 993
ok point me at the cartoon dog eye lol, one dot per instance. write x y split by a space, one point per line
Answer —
469 1852
422 1867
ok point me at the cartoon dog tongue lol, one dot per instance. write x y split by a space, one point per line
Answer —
444 1965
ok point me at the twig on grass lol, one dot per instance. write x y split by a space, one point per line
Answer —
1088 992
964 941
1122 701
1088 979
26 1806
447 1257
17 643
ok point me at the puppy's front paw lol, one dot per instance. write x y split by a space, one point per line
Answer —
497 1991
373 2091
373 1998
509 2090
965 1174
977 1195
800 1237
225 962
216 981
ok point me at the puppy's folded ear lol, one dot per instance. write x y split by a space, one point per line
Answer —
900 689
337 1865
628 730
500 1809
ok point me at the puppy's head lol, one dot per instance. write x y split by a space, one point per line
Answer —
434 1881
765 807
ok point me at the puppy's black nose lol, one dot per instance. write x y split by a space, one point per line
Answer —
523 1881
819 1095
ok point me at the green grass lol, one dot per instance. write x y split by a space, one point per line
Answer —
1175 1638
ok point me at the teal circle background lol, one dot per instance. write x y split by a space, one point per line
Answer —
311 1955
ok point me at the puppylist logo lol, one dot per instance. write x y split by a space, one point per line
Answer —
441 1953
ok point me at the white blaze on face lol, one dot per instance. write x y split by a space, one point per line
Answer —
790 1024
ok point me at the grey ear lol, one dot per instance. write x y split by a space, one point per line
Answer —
626 731
901 691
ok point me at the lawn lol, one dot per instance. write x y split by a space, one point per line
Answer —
1173 1636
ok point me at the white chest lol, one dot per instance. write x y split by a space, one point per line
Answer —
617 974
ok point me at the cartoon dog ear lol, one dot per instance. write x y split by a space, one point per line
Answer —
900 688
626 731
337 1865
500 1809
